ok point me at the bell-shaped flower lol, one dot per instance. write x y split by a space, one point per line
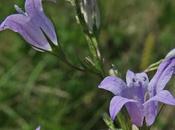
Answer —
33 25
140 96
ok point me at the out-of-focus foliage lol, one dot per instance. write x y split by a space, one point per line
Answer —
38 89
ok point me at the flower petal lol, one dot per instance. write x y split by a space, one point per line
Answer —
163 75
150 111
35 10
136 93
116 105
136 113
113 84
129 78
157 83
143 79
163 96
23 25
136 79
151 106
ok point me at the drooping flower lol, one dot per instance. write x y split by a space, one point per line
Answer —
140 96
33 25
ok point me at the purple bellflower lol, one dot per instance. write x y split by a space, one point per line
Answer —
140 96
33 25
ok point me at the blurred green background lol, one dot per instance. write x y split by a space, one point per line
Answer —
38 89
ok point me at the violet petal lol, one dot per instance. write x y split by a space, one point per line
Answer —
113 84
136 93
150 111
136 113
35 10
143 79
129 78
163 75
163 96
116 105
151 106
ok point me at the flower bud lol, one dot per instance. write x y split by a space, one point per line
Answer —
91 14
113 71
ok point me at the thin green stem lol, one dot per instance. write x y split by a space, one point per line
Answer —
108 122
92 41
124 120
95 53
63 57
153 66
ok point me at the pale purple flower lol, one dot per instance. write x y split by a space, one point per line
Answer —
33 25
140 96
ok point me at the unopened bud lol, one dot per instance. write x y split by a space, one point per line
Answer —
113 71
91 14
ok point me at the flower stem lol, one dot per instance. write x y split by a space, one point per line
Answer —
92 39
124 120
95 53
